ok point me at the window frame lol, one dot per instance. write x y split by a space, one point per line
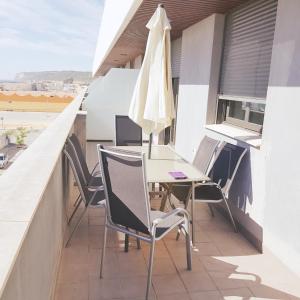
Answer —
223 112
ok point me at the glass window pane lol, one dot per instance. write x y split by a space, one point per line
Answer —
257 112
236 110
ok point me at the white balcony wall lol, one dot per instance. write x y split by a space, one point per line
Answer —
198 88
109 96
198 79
137 62
34 195
281 142
115 18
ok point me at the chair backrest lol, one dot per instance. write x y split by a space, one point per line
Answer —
226 166
207 150
73 140
75 167
126 191
128 133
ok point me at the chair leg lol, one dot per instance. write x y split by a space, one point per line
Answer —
230 215
103 250
75 203
188 251
150 267
163 202
76 226
138 241
78 201
126 246
211 209
178 234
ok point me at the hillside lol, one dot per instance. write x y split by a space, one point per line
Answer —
54 76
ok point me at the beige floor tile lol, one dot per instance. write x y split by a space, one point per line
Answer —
73 291
214 264
163 266
227 280
210 295
168 285
100 289
96 220
181 296
267 292
201 249
96 212
181 264
73 273
75 255
195 282
237 294
135 287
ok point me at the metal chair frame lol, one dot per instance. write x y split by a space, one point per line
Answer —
223 191
137 142
88 181
183 221
86 201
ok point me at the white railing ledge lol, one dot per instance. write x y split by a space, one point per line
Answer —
23 184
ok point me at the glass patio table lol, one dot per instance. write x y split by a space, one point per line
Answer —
163 160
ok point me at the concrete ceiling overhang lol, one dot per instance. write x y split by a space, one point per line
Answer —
182 14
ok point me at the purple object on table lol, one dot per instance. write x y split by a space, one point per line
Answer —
178 175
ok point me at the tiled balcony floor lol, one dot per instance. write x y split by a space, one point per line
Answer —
225 266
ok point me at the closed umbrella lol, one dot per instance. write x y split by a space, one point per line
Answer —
152 104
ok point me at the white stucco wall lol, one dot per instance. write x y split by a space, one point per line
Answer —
108 97
282 139
137 62
198 79
199 76
115 18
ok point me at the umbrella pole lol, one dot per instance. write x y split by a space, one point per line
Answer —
150 145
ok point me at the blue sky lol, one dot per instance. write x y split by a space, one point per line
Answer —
42 35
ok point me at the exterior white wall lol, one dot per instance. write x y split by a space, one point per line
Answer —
127 66
137 62
33 222
198 80
281 141
109 96
199 76
115 18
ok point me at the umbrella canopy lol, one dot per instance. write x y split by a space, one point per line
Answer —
152 104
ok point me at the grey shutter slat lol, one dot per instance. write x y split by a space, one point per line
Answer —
176 57
248 41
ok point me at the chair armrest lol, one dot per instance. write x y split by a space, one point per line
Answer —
208 183
95 188
174 212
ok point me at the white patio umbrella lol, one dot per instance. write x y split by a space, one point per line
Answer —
152 104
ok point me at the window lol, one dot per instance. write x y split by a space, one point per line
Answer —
248 41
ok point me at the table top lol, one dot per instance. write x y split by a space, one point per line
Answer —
164 160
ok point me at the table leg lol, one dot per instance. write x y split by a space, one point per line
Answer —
192 212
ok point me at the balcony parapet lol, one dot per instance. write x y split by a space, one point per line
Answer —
27 191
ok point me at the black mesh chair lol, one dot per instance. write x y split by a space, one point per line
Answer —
128 133
222 176
128 205
90 197
92 178
207 153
